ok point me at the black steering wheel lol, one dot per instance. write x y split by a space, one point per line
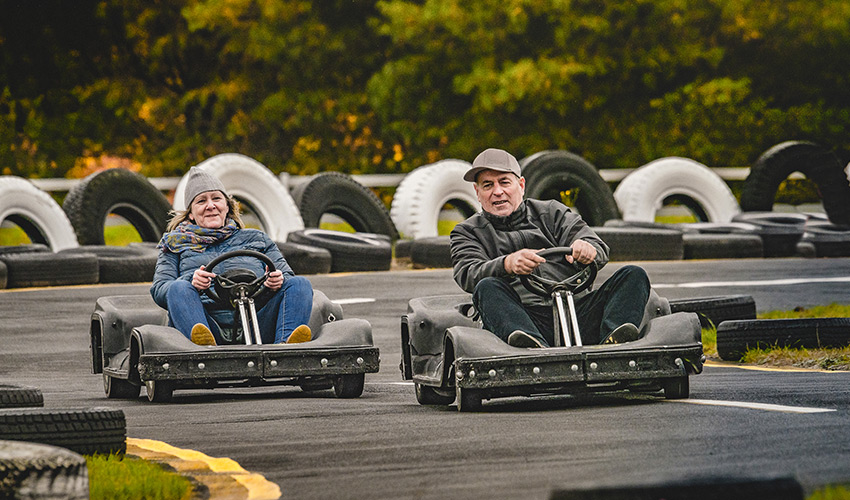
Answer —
238 282
576 283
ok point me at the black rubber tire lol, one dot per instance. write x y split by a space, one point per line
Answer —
12 396
779 232
548 173
349 386
39 471
50 269
814 161
431 252
350 252
29 248
829 240
629 244
305 259
735 337
116 191
119 388
339 194
4 275
403 249
676 388
426 395
722 246
85 431
468 400
36 213
313 385
159 391
703 488
120 264
714 310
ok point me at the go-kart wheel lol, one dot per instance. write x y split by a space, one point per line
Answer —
468 399
159 391
427 395
676 388
119 388
312 385
576 283
349 386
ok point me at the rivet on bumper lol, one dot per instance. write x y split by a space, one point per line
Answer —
250 364
166 366
273 363
574 368
492 372
201 366
632 363
679 362
471 373
360 361
593 366
536 370
324 362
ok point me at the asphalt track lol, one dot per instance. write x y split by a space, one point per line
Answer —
738 423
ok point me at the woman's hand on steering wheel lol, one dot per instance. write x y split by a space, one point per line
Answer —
583 252
275 279
202 279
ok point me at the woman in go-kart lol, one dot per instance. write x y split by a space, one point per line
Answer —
209 227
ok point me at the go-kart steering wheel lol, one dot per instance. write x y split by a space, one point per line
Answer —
576 283
238 282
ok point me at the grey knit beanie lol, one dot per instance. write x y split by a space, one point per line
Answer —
200 182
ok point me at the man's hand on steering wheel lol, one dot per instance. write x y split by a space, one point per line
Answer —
583 252
275 279
523 261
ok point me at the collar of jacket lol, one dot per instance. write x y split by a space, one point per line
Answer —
508 222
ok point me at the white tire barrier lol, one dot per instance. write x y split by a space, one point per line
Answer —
36 213
253 184
643 192
423 193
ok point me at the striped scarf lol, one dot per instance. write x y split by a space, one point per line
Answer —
188 236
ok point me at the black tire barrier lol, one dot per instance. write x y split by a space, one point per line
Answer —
39 471
85 431
715 488
642 192
116 191
714 310
722 246
120 264
3 275
814 161
350 252
431 252
549 173
36 213
12 396
50 269
779 232
305 259
735 337
642 224
339 194
828 240
403 248
629 243
28 248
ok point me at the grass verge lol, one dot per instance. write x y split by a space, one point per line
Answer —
124 478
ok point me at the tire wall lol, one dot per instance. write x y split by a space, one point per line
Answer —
423 192
36 212
643 192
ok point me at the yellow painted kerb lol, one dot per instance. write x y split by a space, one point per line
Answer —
258 487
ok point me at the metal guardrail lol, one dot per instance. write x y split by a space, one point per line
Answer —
381 180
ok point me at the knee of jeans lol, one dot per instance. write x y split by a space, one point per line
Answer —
299 283
633 272
181 286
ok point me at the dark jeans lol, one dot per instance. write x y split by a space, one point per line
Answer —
621 299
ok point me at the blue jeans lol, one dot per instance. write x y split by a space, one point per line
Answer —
287 309
621 299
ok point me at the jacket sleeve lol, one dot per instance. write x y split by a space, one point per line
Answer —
167 272
470 262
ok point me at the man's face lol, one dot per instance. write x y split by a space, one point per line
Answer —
499 193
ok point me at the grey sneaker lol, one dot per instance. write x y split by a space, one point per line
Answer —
626 332
519 338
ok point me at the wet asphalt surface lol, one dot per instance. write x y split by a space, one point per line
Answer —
385 445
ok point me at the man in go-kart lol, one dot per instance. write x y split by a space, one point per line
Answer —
491 249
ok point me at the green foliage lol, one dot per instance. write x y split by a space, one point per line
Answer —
122 478
365 86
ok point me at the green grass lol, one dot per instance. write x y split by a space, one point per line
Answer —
835 492
119 235
114 477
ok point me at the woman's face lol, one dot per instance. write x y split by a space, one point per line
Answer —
209 210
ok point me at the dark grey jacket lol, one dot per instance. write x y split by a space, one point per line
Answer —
481 243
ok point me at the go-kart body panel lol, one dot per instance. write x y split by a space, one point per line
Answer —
131 339
447 349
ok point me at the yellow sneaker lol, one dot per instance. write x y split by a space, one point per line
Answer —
300 334
202 335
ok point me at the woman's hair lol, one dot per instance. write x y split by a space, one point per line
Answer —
233 212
